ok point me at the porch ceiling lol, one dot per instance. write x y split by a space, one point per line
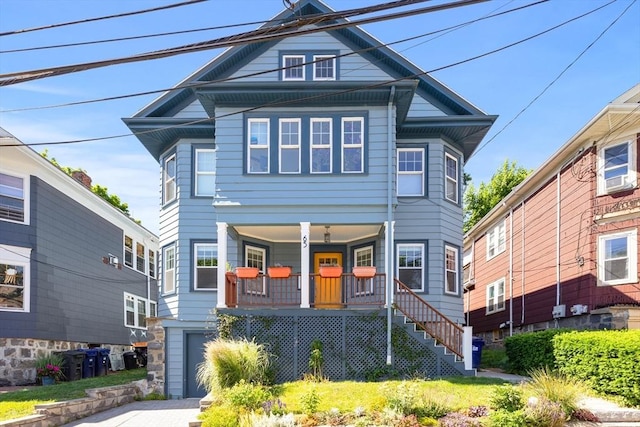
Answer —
291 233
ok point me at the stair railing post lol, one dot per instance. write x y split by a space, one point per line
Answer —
467 350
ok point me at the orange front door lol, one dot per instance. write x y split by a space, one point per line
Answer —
328 291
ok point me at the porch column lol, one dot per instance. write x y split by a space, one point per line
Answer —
304 264
467 347
222 265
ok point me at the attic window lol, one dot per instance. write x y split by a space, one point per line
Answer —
293 67
324 67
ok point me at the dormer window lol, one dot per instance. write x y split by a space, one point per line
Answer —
293 67
324 67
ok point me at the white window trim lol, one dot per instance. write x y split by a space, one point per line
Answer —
282 147
631 180
422 267
456 271
198 173
344 146
136 300
144 258
15 255
448 178
324 58
369 282
495 296
321 146
151 267
302 65
165 271
260 146
632 256
128 251
196 267
263 251
169 181
399 172
134 255
493 238
26 196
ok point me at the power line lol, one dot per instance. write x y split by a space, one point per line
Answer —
278 69
294 28
100 18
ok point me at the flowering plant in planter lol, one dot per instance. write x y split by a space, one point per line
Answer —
49 366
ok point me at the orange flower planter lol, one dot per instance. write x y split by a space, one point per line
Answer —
247 272
279 272
330 271
364 272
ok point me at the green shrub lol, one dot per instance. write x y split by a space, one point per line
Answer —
608 361
432 409
220 416
403 398
226 362
494 358
506 398
310 401
247 396
502 418
555 387
529 351
544 413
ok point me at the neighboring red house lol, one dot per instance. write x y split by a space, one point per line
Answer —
561 250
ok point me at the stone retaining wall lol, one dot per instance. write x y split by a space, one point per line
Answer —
98 400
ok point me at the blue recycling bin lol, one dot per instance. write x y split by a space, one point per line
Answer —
102 361
476 351
89 362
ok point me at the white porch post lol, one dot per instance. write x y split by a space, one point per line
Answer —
304 264
467 350
222 264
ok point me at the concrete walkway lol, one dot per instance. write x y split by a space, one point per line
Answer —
157 413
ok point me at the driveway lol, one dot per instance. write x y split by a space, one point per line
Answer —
159 413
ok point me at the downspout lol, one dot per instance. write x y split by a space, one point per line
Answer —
389 234
523 270
558 238
510 272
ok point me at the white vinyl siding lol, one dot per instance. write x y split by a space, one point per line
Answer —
352 144
205 172
410 172
618 258
321 143
289 145
258 146
495 296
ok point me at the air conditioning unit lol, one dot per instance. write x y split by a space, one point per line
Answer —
559 311
579 309
616 182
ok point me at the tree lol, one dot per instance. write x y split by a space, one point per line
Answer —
478 203
96 189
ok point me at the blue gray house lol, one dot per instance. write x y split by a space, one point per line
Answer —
315 150
74 270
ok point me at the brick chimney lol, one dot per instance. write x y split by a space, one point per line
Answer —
82 178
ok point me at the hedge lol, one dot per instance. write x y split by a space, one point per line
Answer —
609 361
532 350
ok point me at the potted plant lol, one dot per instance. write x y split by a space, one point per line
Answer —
364 272
330 271
279 271
49 369
247 272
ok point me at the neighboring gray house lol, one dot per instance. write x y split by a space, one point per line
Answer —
74 270
307 151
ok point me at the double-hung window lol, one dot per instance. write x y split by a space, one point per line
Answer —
451 269
289 150
293 67
169 269
140 260
128 251
12 198
258 143
205 172
352 144
496 240
618 258
152 263
169 179
321 142
363 257
410 265
255 257
495 296
206 266
451 178
616 165
410 172
135 311
324 67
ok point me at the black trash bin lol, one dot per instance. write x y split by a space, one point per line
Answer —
130 360
89 362
72 364
476 351
102 361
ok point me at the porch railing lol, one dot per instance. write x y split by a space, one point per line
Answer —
345 291
427 318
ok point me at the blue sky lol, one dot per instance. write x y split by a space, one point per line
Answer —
502 83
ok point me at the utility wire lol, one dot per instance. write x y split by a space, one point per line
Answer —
260 35
100 18
192 85
557 77
284 103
